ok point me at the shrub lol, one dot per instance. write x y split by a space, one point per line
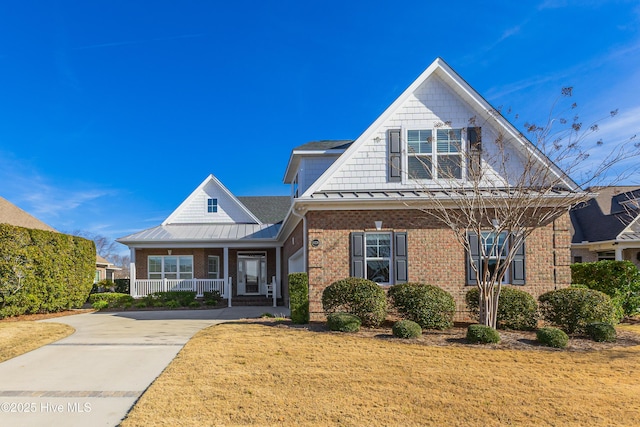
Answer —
481 334
141 304
571 309
601 332
100 304
406 329
183 298
212 298
113 299
357 296
299 297
517 309
343 322
429 306
194 304
106 285
173 304
122 285
552 337
618 279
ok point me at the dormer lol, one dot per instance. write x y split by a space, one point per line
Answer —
309 161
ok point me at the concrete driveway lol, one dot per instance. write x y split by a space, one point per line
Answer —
94 376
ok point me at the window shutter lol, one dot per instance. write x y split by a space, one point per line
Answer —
517 267
395 155
473 257
474 136
357 254
400 257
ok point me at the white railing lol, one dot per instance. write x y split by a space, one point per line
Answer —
144 287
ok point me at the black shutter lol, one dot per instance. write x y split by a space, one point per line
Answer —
400 257
395 156
473 257
517 267
474 136
357 254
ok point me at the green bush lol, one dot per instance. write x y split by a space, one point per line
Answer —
141 304
601 332
481 334
357 296
195 304
299 297
571 309
429 306
173 304
113 299
122 285
100 304
106 285
552 337
517 309
343 322
618 279
183 298
43 271
212 298
406 329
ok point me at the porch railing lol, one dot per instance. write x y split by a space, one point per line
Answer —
144 287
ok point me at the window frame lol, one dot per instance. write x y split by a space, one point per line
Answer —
212 205
388 258
515 274
209 272
163 273
434 157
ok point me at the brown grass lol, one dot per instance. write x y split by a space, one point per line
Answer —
20 337
258 374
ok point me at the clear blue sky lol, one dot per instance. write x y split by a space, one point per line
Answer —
112 112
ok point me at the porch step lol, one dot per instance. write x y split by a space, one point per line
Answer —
259 301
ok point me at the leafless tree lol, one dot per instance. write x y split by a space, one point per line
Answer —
494 193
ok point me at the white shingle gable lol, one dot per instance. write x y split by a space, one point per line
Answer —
194 209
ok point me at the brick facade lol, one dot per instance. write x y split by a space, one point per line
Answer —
434 256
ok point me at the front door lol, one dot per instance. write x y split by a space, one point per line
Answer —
251 273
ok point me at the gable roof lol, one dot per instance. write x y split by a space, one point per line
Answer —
268 209
474 100
608 216
323 147
13 215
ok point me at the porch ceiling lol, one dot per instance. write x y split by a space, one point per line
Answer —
204 233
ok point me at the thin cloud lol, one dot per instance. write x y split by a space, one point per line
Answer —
136 42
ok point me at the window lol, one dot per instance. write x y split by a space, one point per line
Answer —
213 271
607 256
295 187
96 279
212 205
442 160
380 257
577 259
488 250
170 267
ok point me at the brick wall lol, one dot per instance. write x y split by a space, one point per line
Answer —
434 256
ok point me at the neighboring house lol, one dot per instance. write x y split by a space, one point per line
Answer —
104 270
607 227
349 214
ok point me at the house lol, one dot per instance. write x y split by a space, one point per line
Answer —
350 211
105 270
607 227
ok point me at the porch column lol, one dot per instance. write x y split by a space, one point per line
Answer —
278 290
132 271
619 253
225 255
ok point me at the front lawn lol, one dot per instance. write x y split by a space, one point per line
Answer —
19 337
266 374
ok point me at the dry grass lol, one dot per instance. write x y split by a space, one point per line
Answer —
19 337
258 374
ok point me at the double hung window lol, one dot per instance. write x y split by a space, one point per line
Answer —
490 249
378 256
170 267
442 160
213 267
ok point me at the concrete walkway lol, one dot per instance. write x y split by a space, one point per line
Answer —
94 376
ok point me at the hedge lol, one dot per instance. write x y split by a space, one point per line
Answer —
43 271
299 297
481 334
357 296
113 299
618 279
429 306
343 322
572 309
406 329
552 337
517 309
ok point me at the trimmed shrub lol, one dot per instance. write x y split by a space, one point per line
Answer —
618 279
406 329
100 304
601 332
571 309
481 334
552 337
357 296
212 298
173 304
43 271
183 298
343 322
113 299
122 285
517 309
429 306
299 297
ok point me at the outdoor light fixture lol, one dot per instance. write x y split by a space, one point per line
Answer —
169 251
378 225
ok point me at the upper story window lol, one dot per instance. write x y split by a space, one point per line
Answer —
212 205
442 160
294 187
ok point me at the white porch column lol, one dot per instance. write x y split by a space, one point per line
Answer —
278 290
618 253
225 255
132 272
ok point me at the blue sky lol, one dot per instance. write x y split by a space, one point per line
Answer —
112 112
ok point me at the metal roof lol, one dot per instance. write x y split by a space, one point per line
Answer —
426 194
204 233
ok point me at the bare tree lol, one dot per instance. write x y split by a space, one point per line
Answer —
14 264
493 194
